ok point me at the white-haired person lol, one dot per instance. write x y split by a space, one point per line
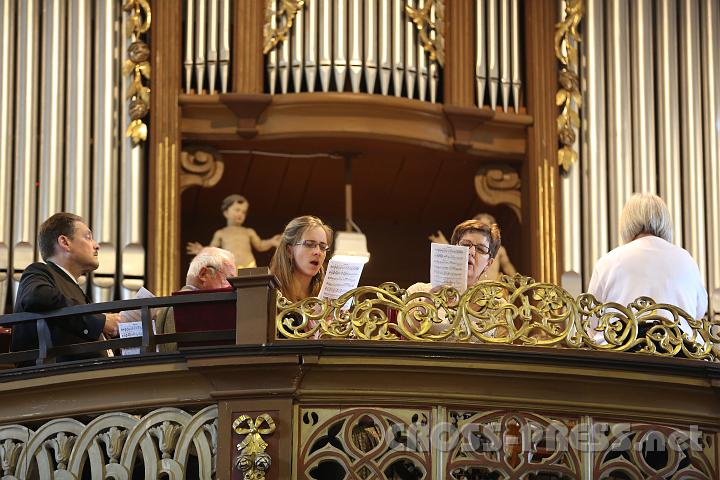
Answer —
209 270
648 263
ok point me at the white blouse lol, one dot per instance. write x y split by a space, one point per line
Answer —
651 267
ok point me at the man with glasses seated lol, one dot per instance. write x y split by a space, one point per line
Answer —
209 270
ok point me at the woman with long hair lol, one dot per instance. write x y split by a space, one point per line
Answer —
298 261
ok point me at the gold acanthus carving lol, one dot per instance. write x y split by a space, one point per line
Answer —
499 185
513 310
200 166
285 16
252 460
431 28
138 66
568 96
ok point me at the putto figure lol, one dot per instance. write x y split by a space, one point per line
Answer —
235 237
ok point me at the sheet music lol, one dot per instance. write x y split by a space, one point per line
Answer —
130 322
127 330
134 315
449 265
340 277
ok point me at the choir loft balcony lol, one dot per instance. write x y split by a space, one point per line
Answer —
508 380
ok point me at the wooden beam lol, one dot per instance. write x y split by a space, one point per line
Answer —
459 53
248 58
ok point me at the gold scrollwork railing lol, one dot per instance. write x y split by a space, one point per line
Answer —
513 311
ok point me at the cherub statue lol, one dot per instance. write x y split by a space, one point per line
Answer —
502 260
236 238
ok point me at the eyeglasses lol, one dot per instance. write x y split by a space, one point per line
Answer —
479 247
311 244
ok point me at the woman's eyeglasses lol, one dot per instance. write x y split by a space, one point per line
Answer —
479 247
311 244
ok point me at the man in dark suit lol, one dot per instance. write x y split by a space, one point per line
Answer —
67 245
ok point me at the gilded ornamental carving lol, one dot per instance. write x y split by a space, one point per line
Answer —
252 459
514 310
138 67
568 96
431 27
285 16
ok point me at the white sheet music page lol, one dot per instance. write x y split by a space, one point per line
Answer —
340 277
127 330
449 265
130 322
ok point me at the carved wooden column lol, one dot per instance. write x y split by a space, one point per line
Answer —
459 73
165 144
540 174
248 46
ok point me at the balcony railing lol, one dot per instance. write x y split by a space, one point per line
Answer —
514 311
505 379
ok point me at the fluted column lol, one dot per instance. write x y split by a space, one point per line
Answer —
540 173
163 186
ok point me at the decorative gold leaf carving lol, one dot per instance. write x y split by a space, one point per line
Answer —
430 23
568 95
252 459
285 16
138 66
